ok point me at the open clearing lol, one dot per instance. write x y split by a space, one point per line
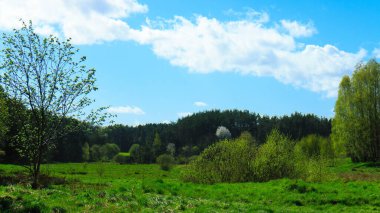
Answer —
109 187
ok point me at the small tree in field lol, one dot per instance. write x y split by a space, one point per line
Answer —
48 78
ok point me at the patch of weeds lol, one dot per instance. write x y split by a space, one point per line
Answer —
6 202
58 209
300 188
122 189
297 202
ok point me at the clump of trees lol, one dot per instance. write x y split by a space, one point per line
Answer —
315 146
224 161
356 125
105 152
241 160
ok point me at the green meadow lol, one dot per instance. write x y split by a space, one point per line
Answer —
110 187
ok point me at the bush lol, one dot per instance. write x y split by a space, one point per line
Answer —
95 152
315 146
135 153
122 159
108 151
165 161
276 159
241 160
224 161
223 133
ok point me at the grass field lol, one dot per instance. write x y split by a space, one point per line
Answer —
108 187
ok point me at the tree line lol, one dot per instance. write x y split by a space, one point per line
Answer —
188 136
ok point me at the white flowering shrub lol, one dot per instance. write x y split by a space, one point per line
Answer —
223 133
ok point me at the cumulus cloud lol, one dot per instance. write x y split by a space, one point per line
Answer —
249 47
126 110
85 21
200 104
184 114
166 122
296 29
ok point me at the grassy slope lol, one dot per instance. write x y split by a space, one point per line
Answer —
123 188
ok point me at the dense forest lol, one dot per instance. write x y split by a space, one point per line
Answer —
190 135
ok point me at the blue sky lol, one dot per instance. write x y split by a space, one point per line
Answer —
159 60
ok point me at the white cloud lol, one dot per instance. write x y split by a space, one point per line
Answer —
85 21
166 122
248 47
126 110
200 104
376 53
296 29
184 114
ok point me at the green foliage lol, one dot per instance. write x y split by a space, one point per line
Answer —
314 146
122 158
95 153
240 160
108 151
165 161
356 123
276 159
104 152
224 161
316 169
45 75
136 153
247 136
157 144
85 152
4 115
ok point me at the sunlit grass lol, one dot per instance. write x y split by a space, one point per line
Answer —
110 187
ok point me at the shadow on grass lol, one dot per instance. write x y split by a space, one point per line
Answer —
23 178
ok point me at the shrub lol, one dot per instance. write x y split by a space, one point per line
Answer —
224 161
314 146
100 169
85 152
165 161
95 152
108 151
276 159
223 133
122 159
134 152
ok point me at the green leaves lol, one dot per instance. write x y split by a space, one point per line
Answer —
356 124
46 76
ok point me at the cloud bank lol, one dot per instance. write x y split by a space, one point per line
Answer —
248 45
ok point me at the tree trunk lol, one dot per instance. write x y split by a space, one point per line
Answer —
35 184
36 175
